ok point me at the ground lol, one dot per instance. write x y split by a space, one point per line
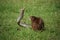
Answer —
48 10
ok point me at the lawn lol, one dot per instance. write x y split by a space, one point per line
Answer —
48 10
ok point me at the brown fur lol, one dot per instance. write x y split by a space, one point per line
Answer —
37 23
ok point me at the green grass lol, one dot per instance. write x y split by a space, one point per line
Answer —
48 10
